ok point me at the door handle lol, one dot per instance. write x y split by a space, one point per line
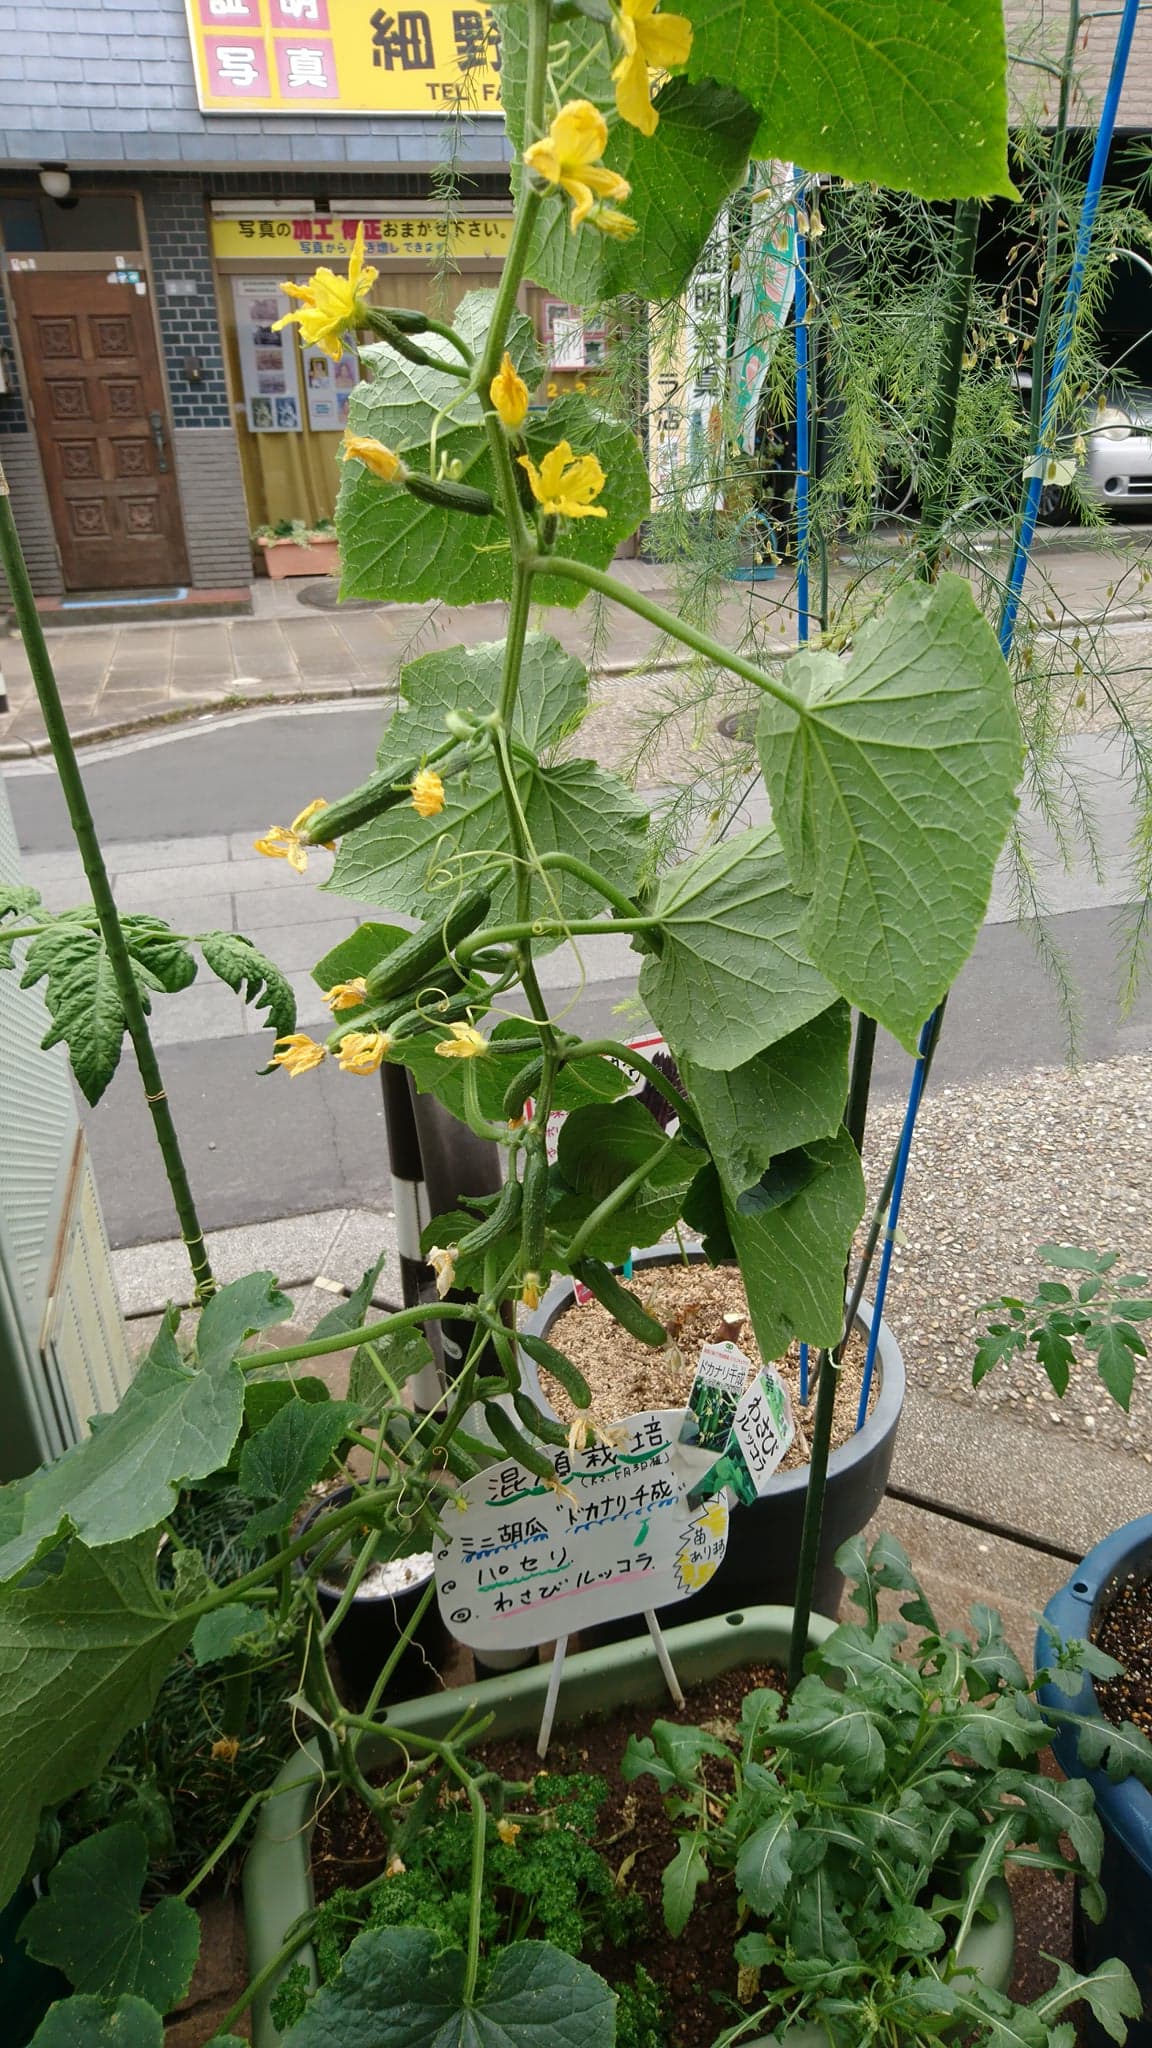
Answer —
156 421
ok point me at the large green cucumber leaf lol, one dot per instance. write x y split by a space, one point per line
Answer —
89 1923
82 1656
395 547
570 806
909 93
732 975
283 1460
791 1252
550 701
398 399
398 1988
893 788
598 1148
786 1096
176 1423
91 2023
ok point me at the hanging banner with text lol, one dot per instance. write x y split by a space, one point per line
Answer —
330 236
524 1561
344 57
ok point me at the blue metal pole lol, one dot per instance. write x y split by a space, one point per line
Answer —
1025 535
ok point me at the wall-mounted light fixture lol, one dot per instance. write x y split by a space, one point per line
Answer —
56 180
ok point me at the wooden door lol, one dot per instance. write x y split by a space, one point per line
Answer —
93 375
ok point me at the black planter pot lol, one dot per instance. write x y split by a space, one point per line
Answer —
1125 1810
759 1565
373 1625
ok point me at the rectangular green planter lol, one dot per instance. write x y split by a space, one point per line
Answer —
277 1874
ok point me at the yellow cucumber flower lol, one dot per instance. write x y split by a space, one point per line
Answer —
565 484
300 1053
650 41
509 395
427 793
530 1292
508 1831
290 843
331 305
610 221
569 157
466 1043
362 1052
347 995
374 455
443 1264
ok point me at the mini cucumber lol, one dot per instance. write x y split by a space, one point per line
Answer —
536 1185
526 1083
502 1218
382 792
420 955
449 496
545 1427
515 1444
562 1369
620 1302
460 1465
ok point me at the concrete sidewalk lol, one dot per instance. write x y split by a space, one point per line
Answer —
119 678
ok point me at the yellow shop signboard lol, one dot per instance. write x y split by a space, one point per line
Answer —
330 236
344 57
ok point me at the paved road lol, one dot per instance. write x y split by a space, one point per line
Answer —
258 1148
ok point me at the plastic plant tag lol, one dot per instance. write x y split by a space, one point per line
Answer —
526 1561
762 1434
721 1377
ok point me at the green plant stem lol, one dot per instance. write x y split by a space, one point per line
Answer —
301 1933
403 1641
404 1318
616 1200
236 1829
550 928
958 306
860 1079
569 865
666 622
476 1876
84 829
615 1049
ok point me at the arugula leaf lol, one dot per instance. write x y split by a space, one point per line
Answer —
681 1881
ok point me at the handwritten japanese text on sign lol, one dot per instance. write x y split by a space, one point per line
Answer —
524 1562
344 56
288 237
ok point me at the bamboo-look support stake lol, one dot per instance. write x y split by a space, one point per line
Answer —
84 829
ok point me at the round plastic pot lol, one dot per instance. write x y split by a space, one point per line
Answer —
1125 1810
759 1565
373 1625
277 1876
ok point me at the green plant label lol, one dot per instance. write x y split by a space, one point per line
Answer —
529 1559
721 1377
733 1435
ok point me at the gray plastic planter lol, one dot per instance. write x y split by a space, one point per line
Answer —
759 1567
277 1874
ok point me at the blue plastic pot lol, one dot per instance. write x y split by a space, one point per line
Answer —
1125 1809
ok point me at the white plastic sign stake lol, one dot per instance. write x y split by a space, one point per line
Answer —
525 1561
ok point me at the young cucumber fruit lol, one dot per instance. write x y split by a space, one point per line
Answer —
620 1302
382 792
427 948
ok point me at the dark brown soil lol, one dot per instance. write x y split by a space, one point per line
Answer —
347 1849
1125 1631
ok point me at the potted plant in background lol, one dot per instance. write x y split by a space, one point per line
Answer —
1094 1312
297 547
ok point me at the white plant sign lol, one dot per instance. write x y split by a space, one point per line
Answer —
525 1562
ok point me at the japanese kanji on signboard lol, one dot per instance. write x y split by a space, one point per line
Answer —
345 56
525 1560
330 237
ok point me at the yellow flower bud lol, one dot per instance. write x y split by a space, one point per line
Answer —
443 1264
509 395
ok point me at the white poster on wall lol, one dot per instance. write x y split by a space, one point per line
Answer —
268 370
326 388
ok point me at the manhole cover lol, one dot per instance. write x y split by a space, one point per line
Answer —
739 725
325 597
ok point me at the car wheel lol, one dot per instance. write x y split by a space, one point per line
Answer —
1054 508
